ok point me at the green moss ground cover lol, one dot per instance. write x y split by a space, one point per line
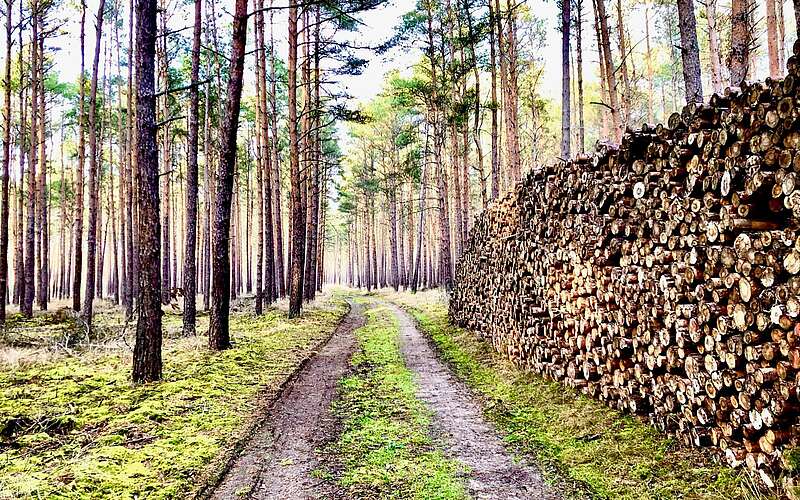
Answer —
77 428
384 449
613 455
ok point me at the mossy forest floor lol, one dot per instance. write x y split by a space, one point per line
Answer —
73 426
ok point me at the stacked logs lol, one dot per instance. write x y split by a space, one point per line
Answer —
662 276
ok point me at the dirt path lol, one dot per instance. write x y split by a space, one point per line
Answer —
459 424
278 462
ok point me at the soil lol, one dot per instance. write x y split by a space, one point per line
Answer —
459 426
280 460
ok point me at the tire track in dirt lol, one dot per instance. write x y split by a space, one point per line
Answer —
459 425
279 461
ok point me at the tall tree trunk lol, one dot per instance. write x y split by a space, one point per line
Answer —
466 195
444 216
62 230
625 94
495 153
566 135
395 276
218 331
4 202
298 233
781 35
312 277
190 257
579 70
166 152
280 275
476 124
147 351
309 165
124 193
43 236
458 212
512 139
19 260
131 204
112 217
30 231
605 58
259 155
208 197
93 174
690 51
713 46
740 41
772 40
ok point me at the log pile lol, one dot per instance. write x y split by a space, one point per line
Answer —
661 276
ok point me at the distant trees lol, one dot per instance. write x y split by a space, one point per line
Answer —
650 62
116 151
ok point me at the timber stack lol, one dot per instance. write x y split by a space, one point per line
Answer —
661 276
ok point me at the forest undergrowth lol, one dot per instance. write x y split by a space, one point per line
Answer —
73 425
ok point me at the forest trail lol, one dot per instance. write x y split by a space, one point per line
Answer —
278 462
459 425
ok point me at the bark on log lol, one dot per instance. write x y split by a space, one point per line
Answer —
661 276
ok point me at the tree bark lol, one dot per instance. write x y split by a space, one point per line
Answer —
512 139
444 216
131 204
566 135
30 231
395 277
476 124
713 46
4 202
91 246
19 260
190 257
147 351
690 51
166 152
495 154
608 67
298 233
740 41
218 331
625 93
43 291
280 278
579 71
772 40
796 5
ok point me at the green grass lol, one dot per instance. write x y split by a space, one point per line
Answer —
76 427
384 448
613 455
